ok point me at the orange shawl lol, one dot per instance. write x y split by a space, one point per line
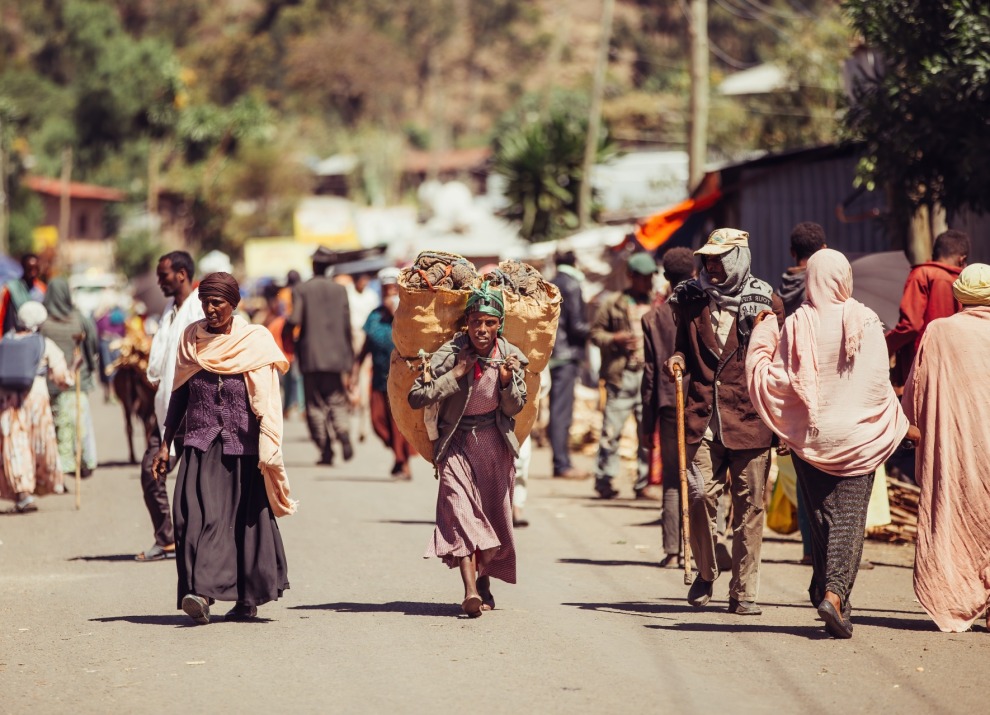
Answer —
249 350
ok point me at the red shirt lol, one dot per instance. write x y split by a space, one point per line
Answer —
927 296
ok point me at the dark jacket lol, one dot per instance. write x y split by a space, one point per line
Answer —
453 394
659 333
321 312
792 286
572 327
721 378
612 317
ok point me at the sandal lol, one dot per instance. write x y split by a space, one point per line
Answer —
472 606
485 589
26 505
157 553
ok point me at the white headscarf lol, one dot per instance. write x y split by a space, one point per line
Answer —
31 315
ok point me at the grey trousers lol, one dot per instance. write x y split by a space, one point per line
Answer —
671 471
744 472
837 508
620 402
327 411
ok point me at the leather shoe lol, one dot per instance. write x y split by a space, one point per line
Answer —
836 625
572 473
700 592
606 490
744 608
241 612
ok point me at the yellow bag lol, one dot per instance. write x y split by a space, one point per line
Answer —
782 512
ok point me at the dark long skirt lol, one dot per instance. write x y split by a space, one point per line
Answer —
227 543
837 509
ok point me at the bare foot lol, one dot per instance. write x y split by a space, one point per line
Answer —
485 591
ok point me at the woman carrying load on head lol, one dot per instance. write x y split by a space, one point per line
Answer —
29 463
232 482
477 380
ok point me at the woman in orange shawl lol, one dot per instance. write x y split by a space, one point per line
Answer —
232 481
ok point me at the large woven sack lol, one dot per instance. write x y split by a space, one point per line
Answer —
531 323
425 318
402 374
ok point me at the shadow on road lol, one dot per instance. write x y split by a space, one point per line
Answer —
107 557
407 608
813 633
359 480
182 621
111 465
608 562
407 522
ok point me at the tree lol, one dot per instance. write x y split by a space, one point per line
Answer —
540 159
925 119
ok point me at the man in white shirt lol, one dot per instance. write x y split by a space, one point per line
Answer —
175 278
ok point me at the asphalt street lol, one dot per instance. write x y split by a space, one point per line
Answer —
369 626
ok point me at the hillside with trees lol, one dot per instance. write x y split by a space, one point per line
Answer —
223 102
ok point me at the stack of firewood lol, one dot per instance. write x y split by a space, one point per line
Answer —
903 528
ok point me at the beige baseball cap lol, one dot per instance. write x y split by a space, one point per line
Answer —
723 240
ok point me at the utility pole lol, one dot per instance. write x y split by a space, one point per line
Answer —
595 114
698 127
63 205
4 198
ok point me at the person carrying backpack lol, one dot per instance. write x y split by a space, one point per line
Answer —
29 464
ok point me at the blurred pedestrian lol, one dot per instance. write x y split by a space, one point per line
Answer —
175 272
232 481
947 397
807 238
728 444
378 345
822 385
927 297
659 399
477 379
17 292
29 463
325 349
618 331
565 361
292 380
69 329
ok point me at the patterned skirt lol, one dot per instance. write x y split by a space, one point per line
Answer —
28 448
474 504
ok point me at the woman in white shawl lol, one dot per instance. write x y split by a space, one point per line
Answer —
822 385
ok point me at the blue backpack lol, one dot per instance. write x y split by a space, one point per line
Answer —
20 359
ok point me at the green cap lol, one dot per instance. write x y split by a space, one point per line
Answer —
486 300
642 263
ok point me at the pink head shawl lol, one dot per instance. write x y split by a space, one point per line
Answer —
829 284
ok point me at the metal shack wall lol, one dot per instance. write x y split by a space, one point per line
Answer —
772 198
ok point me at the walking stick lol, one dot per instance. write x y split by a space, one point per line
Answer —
76 355
682 464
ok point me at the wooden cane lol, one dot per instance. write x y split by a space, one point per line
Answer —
76 354
682 465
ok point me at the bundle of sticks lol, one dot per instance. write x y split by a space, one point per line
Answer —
903 528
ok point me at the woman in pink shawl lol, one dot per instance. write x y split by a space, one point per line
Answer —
947 395
822 385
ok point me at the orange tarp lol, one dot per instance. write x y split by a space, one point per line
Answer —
657 229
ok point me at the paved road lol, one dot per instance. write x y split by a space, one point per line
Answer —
369 626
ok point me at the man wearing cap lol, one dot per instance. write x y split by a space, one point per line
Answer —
325 351
618 331
728 444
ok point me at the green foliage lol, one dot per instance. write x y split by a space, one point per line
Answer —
136 253
540 157
926 121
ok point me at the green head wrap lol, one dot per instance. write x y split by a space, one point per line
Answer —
486 300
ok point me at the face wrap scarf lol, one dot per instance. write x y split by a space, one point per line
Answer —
741 293
823 384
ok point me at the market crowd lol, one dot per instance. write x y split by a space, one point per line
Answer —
803 373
